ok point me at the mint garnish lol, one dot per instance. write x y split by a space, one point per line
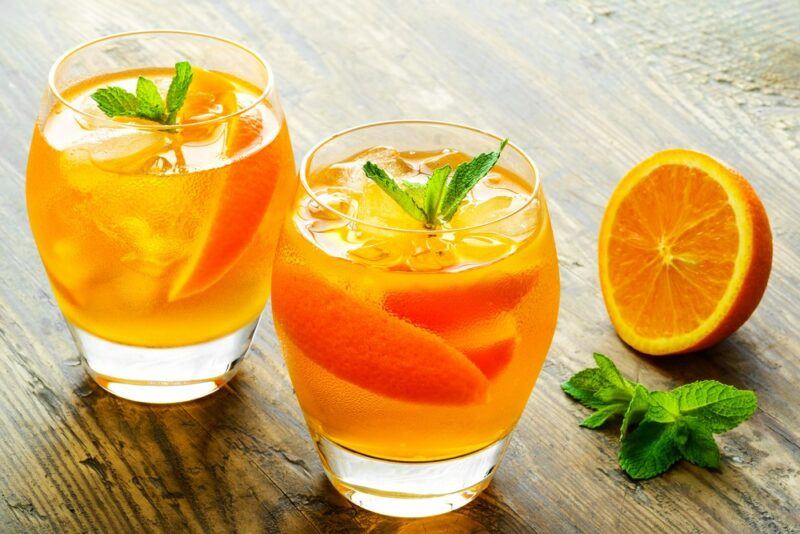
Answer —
147 102
660 428
437 200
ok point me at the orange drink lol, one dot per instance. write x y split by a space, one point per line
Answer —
413 349
158 237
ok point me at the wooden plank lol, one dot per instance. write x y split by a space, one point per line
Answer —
588 89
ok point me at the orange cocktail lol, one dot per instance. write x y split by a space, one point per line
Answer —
406 343
158 237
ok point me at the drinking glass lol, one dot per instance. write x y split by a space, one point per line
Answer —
158 239
413 351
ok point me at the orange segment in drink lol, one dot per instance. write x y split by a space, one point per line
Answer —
210 96
685 253
489 344
368 347
241 207
449 306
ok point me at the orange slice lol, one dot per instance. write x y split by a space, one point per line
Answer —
489 345
685 252
241 206
456 306
364 345
211 95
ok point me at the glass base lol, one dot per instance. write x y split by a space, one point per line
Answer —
163 375
409 489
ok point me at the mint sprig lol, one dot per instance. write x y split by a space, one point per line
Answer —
147 102
437 200
660 428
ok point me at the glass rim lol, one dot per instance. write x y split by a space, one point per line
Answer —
437 231
51 79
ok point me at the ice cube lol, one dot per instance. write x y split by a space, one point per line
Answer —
347 176
432 253
150 253
377 208
446 157
389 160
474 212
380 252
123 151
484 247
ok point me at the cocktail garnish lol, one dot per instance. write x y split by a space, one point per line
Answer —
436 201
660 427
147 102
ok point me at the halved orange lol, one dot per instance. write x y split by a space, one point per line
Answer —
364 345
685 252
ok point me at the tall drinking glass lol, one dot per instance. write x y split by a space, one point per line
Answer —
158 238
412 350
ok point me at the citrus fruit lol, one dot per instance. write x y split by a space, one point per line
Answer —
364 345
488 344
240 208
685 252
448 307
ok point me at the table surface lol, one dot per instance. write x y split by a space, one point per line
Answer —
588 89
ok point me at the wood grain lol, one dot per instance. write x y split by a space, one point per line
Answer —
588 89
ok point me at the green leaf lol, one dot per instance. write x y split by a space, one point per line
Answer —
417 192
464 179
116 102
601 416
718 406
150 106
176 94
584 385
663 408
697 444
390 187
433 194
649 450
612 374
635 412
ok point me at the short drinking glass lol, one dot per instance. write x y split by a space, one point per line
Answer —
158 236
413 351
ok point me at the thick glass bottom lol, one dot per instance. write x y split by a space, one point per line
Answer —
163 375
409 489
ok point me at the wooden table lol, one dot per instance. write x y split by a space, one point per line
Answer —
588 89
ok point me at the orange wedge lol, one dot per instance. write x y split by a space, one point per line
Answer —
457 306
489 344
211 95
363 345
685 252
241 206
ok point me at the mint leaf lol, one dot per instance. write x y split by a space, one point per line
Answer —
718 406
584 385
464 179
636 409
612 374
697 444
147 102
433 194
660 428
663 408
116 102
390 187
150 106
437 200
601 416
649 450
417 192
176 94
